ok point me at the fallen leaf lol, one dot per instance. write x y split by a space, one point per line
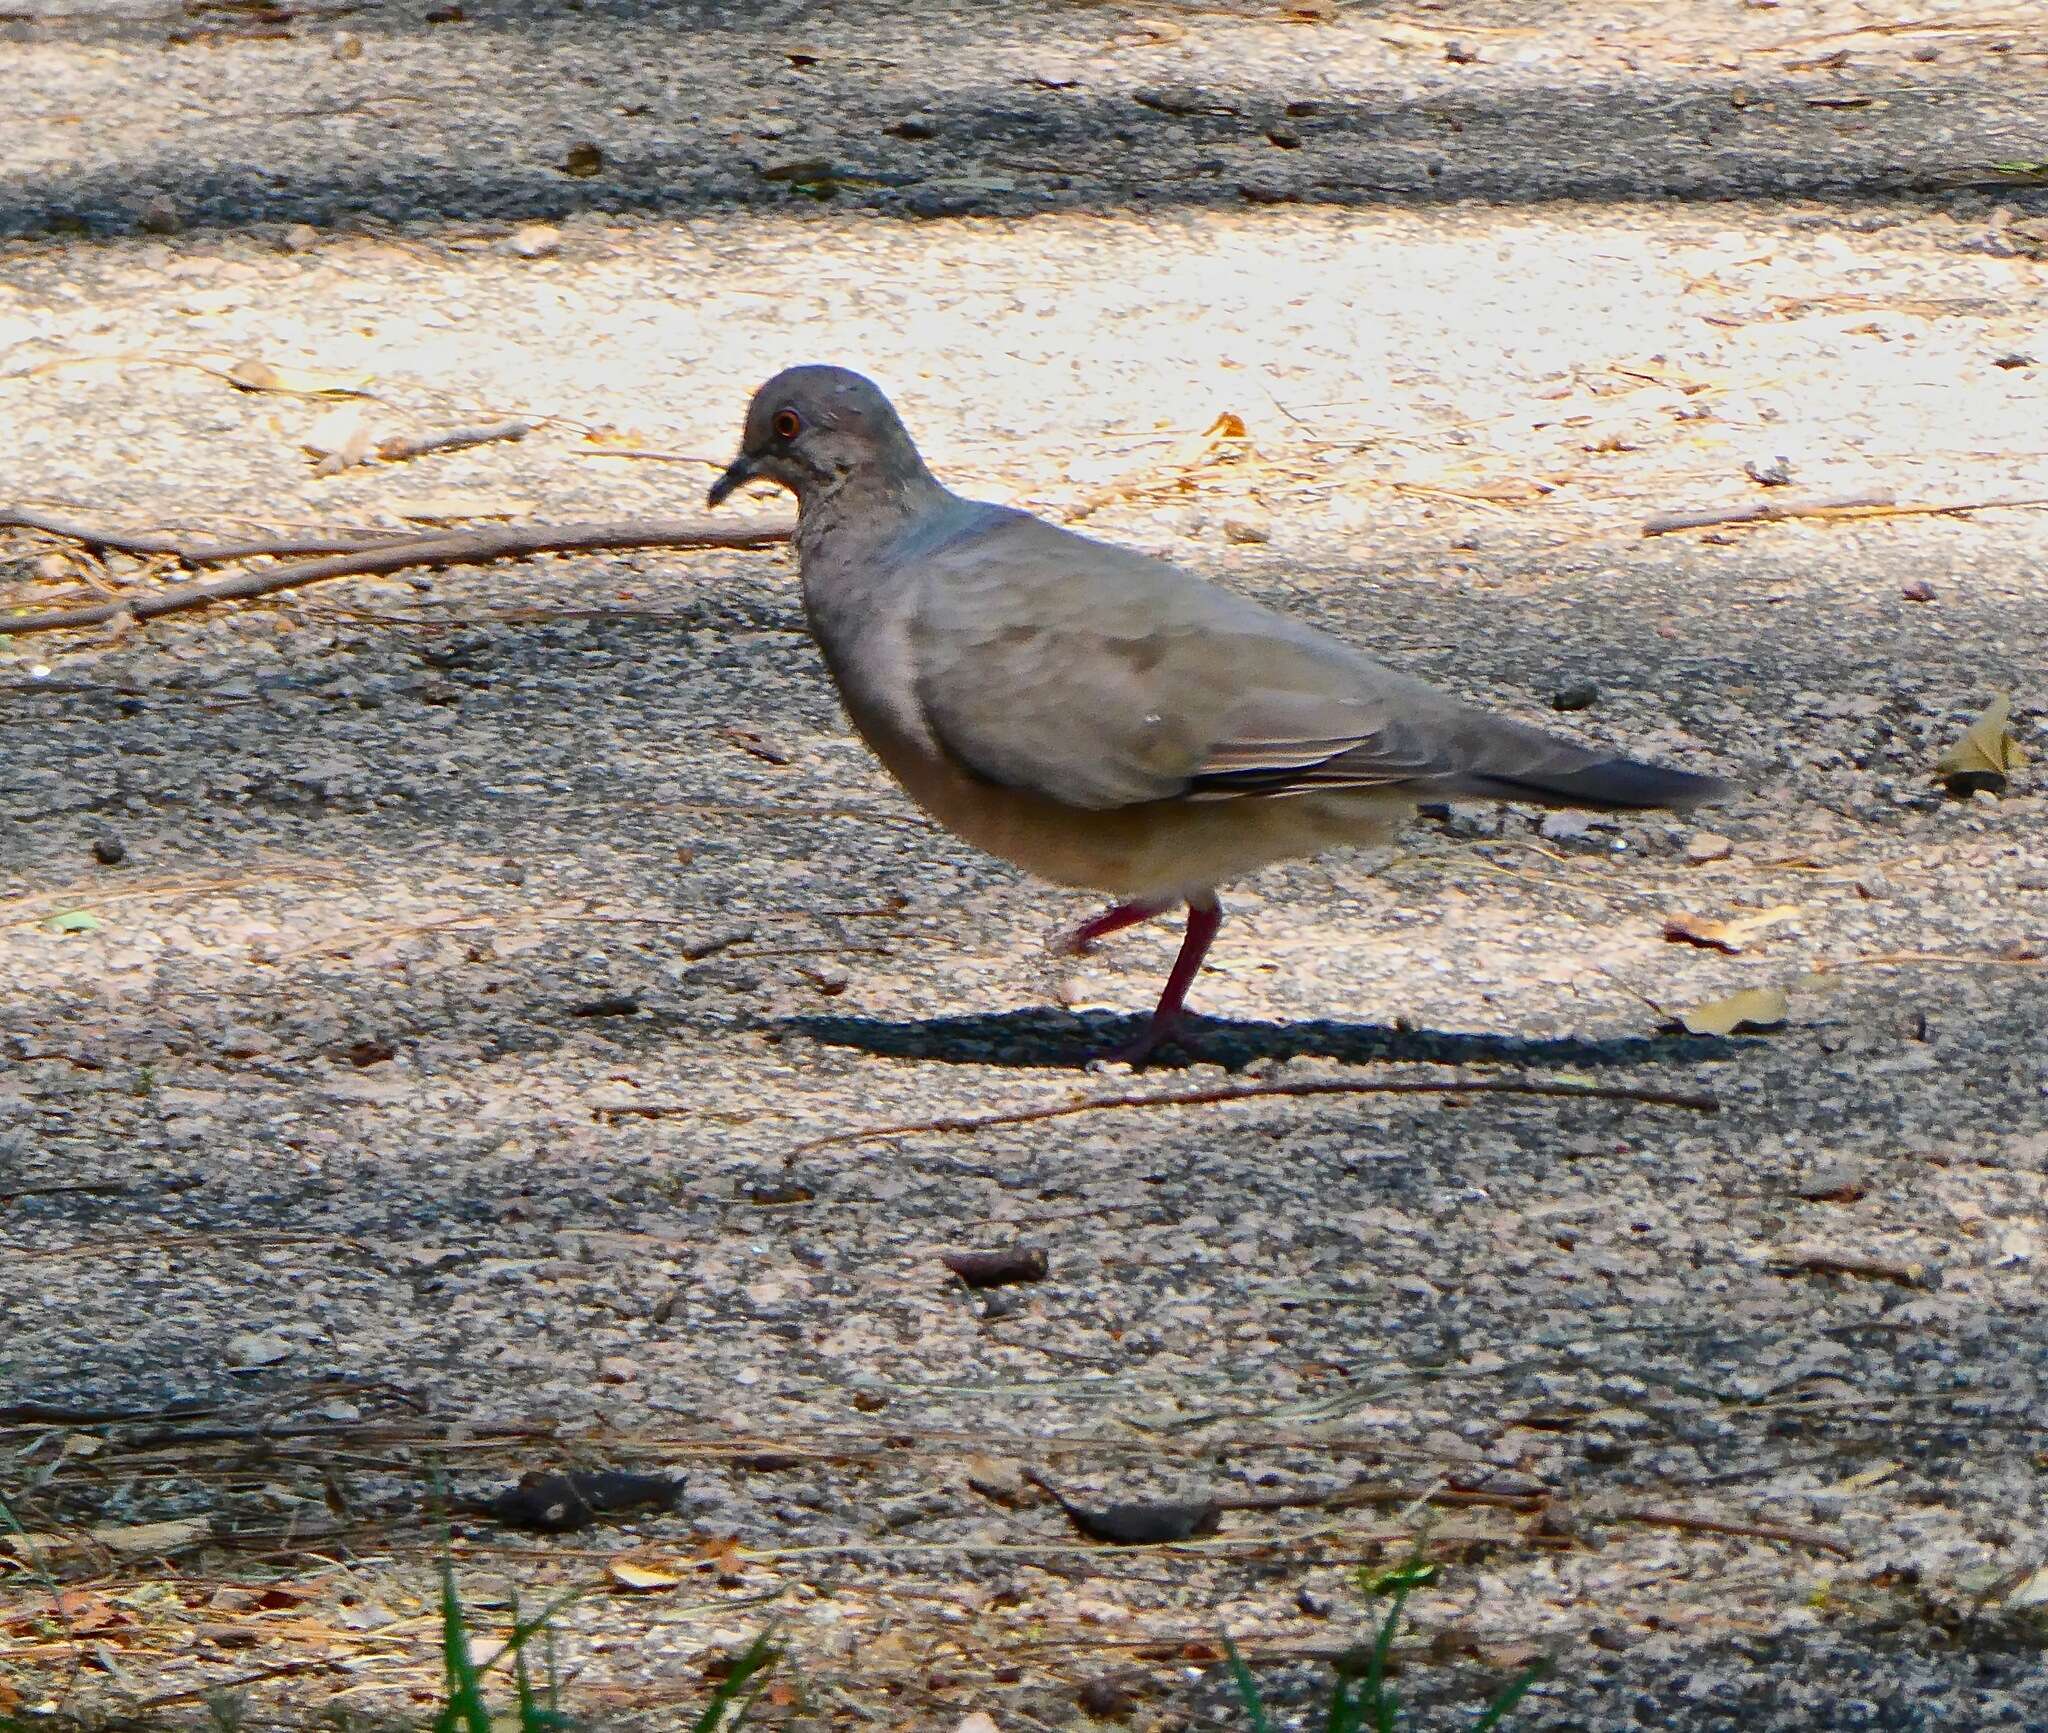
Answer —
1864 1479
997 1268
1755 1008
73 921
1729 935
641 1578
2032 1590
288 381
1986 754
1226 431
721 1553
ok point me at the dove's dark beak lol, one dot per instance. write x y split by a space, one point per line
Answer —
741 472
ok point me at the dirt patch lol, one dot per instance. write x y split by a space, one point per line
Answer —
423 1000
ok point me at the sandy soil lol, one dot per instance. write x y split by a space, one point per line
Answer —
452 1073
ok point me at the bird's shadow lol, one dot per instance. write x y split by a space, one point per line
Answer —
1054 1039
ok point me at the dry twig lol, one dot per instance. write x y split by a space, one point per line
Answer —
1873 505
1763 512
398 450
146 542
380 558
1752 1530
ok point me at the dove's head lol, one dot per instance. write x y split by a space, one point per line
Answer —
815 429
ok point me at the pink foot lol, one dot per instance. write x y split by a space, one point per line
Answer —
1205 915
1081 940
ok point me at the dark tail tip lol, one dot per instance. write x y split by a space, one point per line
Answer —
1613 785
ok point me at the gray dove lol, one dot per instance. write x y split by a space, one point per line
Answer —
1104 719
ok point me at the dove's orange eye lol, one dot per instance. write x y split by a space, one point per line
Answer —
787 424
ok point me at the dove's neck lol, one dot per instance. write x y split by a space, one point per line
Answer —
848 519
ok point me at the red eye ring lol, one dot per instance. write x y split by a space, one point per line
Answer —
787 424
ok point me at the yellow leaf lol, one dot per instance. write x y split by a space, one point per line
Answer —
1753 1008
1986 754
625 1573
255 375
1864 1479
2032 1590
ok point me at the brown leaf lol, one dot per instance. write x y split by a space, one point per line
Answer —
1986 755
998 1268
1730 935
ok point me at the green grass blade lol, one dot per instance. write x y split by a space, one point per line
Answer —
1376 1698
757 1657
1347 1711
524 1632
1247 1689
1497 1711
465 1711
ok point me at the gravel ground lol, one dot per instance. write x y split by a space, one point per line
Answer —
424 1001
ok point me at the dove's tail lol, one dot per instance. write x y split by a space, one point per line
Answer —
1601 784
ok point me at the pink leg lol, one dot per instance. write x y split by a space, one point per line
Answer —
1205 915
1081 940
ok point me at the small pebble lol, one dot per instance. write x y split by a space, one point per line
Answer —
1919 590
535 241
1776 473
109 850
249 1353
1579 695
1239 529
913 126
1706 845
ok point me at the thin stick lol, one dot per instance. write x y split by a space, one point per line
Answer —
100 1188
1766 511
1961 959
143 542
1872 506
460 439
1258 1091
1751 1530
454 547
